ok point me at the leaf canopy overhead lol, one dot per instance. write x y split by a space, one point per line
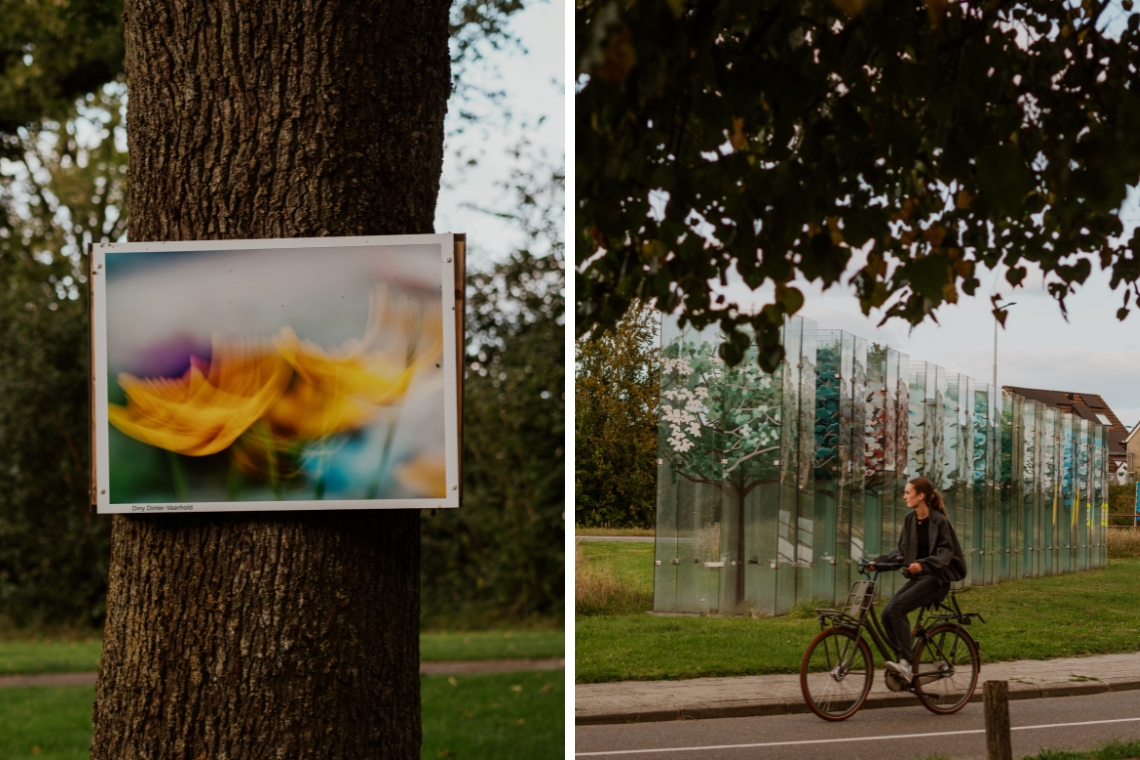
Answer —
908 141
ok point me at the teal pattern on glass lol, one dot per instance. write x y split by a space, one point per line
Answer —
980 475
825 462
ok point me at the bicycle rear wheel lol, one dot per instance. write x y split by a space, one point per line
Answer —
946 667
836 674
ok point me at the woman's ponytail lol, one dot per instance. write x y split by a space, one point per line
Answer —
932 498
934 501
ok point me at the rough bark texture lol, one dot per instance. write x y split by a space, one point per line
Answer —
291 635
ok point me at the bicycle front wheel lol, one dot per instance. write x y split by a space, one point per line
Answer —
946 669
836 674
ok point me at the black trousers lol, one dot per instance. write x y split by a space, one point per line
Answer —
915 594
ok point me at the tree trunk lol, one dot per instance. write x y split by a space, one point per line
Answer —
290 635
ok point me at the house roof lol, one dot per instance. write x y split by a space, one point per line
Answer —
1084 405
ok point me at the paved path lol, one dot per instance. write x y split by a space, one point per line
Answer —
467 667
488 666
624 539
641 701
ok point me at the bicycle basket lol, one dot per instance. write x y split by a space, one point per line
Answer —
859 598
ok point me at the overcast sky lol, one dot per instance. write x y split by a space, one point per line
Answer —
1091 353
534 83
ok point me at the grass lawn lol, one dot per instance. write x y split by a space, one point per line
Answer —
442 646
46 723
50 655
513 716
1095 612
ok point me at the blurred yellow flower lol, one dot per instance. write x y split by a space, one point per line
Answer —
368 377
424 475
207 408
307 413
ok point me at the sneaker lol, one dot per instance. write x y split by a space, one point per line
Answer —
901 669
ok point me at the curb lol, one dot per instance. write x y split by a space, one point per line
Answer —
758 708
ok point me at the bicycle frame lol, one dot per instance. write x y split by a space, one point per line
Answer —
868 619
857 623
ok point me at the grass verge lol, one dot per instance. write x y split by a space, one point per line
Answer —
1094 612
1113 750
508 716
580 531
611 579
48 655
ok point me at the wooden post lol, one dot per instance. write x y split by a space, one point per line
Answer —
996 700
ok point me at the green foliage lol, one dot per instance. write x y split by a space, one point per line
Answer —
1122 503
501 552
615 423
775 138
53 52
53 552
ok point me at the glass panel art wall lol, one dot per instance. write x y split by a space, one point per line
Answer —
771 487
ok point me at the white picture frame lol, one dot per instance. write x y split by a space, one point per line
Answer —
231 288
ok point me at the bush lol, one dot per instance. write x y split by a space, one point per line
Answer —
1121 504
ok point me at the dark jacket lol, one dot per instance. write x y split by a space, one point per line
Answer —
946 560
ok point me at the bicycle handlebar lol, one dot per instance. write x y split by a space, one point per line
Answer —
880 566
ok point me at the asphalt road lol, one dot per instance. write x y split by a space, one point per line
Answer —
901 733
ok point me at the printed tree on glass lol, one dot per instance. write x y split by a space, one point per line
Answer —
720 426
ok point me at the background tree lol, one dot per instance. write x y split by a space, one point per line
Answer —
65 192
500 555
776 138
615 423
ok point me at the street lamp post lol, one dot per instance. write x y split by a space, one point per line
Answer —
997 391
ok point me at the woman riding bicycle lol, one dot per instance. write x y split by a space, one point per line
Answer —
929 549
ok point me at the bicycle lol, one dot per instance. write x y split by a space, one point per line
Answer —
837 668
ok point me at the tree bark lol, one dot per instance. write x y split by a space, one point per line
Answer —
290 635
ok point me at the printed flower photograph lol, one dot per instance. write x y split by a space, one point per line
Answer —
275 374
